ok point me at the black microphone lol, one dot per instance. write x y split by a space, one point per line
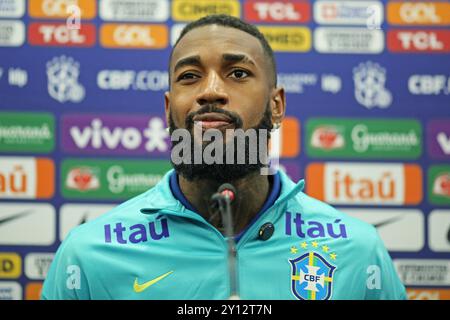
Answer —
221 201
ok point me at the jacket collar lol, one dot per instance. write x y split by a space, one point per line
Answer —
160 198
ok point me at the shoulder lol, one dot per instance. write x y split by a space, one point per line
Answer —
93 232
129 212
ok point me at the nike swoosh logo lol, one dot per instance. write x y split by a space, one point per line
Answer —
83 219
385 222
15 216
141 287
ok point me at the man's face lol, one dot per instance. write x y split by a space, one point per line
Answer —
220 79
221 66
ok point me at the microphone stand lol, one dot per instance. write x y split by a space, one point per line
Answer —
223 203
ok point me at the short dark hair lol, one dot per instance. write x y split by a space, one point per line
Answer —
236 23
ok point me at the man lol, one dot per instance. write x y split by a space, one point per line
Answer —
169 242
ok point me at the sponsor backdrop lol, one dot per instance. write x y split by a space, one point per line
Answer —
82 125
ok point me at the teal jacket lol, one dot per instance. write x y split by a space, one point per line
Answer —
154 247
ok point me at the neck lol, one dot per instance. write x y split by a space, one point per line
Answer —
252 191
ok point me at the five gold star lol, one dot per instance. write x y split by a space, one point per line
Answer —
315 244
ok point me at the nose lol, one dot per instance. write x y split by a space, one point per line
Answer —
213 91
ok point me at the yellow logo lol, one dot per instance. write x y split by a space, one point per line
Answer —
10 265
141 287
189 10
293 39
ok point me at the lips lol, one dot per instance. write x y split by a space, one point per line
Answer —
212 121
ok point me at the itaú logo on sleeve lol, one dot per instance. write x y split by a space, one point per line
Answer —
365 183
137 233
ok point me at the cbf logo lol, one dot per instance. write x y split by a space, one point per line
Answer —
62 77
311 273
370 79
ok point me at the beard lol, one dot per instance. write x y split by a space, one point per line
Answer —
224 172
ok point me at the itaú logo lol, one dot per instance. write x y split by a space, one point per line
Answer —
137 233
26 178
365 183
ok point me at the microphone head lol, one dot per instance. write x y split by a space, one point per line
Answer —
227 190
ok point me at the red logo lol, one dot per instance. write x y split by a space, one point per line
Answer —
427 41
277 11
82 179
327 138
59 34
442 185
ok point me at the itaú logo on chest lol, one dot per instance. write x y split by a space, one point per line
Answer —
365 183
314 229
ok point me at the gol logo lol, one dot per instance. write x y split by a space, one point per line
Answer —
428 294
136 36
365 183
26 178
60 9
10 265
33 291
418 13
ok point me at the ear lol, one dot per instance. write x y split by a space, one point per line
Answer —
278 105
167 106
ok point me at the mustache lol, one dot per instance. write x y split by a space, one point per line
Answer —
212 108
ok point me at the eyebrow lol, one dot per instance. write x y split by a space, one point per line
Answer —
233 58
227 57
188 61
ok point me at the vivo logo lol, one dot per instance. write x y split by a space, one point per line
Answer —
114 134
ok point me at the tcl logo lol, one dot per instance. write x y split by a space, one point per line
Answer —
58 34
419 13
134 36
365 183
61 8
277 11
419 40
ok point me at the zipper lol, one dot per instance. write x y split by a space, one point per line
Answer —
231 262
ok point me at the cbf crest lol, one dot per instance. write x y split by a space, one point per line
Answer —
312 272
